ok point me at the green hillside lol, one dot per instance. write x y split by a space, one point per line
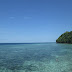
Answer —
65 38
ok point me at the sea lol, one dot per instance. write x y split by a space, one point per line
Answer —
35 57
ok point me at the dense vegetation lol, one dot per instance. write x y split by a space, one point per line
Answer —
65 38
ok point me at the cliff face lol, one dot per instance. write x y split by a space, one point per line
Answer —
65 38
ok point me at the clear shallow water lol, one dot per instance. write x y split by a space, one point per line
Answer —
45 57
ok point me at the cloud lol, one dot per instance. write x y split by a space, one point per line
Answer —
27 17
11 17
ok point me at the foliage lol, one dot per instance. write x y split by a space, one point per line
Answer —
65 38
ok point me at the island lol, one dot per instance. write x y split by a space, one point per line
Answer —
65 38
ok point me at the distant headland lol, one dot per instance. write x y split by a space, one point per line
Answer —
65 38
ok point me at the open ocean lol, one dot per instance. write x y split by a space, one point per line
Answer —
35 57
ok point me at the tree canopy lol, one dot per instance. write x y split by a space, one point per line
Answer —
65 38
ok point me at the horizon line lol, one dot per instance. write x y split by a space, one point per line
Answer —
25 42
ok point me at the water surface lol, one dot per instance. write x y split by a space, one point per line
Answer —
35 57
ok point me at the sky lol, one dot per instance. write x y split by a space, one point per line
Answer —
23 21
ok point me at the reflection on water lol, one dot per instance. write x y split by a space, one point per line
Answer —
45 57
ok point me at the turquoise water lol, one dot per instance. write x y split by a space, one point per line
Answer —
39 57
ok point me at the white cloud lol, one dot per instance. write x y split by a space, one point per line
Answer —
11 17
27 17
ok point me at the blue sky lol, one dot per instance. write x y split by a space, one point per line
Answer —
34 20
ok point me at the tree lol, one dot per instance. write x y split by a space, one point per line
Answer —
65 38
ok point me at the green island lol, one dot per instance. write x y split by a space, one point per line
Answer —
65 38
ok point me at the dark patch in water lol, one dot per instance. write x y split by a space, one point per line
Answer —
30 67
